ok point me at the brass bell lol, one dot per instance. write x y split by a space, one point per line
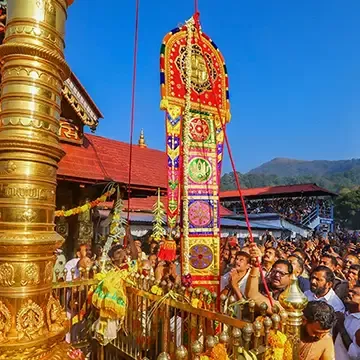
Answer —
196 347
210 342
181 353
224 337
164 356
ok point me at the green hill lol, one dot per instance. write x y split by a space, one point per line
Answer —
333 175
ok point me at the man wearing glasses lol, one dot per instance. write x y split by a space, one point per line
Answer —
277 280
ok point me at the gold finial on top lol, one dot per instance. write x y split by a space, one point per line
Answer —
293 299
294 302
142 142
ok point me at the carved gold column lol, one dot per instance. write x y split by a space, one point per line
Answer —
33 70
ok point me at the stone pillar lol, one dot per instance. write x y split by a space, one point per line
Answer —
85 227
32 75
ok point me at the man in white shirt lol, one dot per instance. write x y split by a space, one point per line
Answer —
341 287
71 269
347 344
321 283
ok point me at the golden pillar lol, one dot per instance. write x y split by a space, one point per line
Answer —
32 74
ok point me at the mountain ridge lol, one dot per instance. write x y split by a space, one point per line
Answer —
334 175
295 167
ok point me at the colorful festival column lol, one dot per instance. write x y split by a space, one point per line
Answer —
193 80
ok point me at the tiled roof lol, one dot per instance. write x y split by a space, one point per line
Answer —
271 191
146 204
101 159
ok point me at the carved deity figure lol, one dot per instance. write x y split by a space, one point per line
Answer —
55 316
5 322
30 320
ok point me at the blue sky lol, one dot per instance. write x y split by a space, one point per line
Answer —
294 70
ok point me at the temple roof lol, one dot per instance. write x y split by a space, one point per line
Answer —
81 102
296 190
100 159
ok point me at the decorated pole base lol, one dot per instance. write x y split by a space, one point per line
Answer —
64 351
52 349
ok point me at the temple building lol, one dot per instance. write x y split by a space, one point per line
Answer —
91 162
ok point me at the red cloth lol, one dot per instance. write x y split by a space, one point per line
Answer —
167 251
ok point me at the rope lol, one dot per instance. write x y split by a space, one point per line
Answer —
102 167
197 27
132 119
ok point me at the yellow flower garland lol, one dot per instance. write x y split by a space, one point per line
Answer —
279 347
156 290
218 352
89 205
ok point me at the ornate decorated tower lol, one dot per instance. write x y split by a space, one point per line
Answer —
194 90
32 75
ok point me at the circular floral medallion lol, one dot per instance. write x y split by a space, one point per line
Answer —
200 214
199 130
201 256
199 170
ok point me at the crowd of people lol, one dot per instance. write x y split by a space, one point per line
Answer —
327 273
292 208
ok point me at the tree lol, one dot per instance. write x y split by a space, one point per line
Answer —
344 191
347 209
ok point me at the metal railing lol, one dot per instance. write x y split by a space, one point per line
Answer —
73 298
179 321
154 329
309 218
